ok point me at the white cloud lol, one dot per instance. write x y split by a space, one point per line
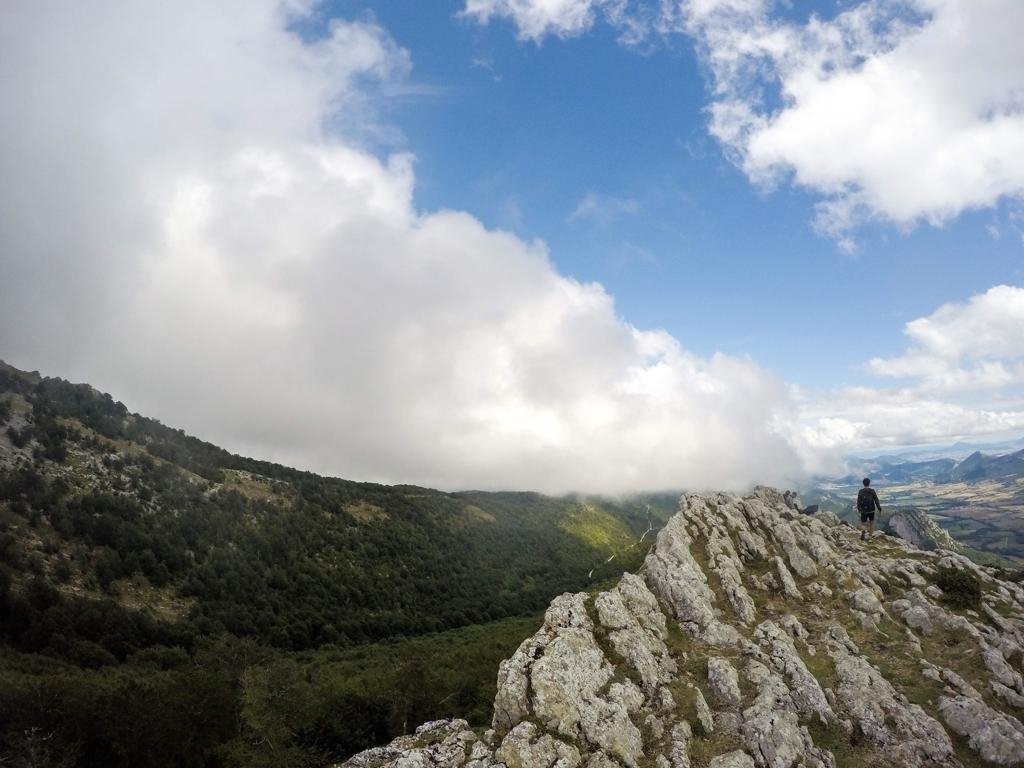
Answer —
604 209
978 344
895 110
832 423
902 110
536 19
186 222
962 376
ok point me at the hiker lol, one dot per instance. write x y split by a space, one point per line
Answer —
867 503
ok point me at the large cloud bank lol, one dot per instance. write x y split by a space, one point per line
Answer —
894 110
186 220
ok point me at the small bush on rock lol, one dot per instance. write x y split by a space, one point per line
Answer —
962 589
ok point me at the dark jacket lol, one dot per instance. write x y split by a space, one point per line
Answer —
868 496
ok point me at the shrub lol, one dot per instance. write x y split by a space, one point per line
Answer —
962 589
1016 576
18 437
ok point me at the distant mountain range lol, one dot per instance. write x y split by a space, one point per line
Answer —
979 466
972 468
956 451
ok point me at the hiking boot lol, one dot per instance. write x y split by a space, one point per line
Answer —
863 535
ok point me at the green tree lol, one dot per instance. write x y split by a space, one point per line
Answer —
276 711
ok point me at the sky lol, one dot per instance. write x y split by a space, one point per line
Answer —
561 245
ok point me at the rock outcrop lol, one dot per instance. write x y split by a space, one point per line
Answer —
917 527
755 636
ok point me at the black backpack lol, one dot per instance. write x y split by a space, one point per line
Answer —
865 500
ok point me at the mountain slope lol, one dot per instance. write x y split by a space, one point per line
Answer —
136 558
288 557
888 471
979 466
918 528
971 468
757 636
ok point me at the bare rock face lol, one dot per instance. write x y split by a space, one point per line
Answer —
437 743
562 679
637 631
724 681
881 714
755 636
805 692
673 573
997 738
526 746
736 759
917 527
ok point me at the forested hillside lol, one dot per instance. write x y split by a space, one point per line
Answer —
217 598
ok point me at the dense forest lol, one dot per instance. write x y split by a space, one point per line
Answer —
166 602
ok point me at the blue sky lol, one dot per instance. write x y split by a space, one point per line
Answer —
519 132
561 245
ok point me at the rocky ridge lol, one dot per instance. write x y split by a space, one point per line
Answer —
755 635
917 527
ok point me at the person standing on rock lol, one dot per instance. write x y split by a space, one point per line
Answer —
867 503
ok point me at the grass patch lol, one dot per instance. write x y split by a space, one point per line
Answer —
820 665
759 567
255 487
365 512
703 749
957 650
849 750
597 528
685 697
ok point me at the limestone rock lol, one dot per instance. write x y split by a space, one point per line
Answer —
818 591
724 681
526 747
637 630
735 759
789 587
864 600
704 714
917 618
775 737
805 692
600 760
559 677
885 718
959 684
996 737
439 743
804 567
829 518
678 579
1008 695
1001 671
679 752
614 680
726 565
